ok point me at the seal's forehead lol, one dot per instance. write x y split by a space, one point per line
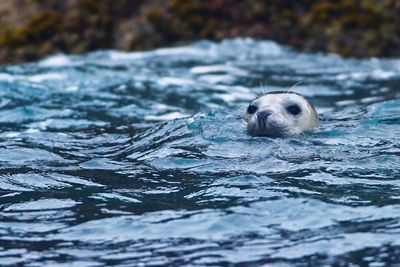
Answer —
279 98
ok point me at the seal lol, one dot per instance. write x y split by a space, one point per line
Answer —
280 114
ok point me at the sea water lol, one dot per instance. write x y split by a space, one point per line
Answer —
142 159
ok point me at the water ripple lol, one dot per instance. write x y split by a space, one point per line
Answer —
115 158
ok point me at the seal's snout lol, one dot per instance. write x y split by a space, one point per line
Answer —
262 117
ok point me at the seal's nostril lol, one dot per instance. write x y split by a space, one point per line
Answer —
263 114
262 117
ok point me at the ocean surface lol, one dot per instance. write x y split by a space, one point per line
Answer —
142 159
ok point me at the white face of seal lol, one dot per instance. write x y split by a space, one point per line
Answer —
279 114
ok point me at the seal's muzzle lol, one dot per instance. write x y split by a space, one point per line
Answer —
262 117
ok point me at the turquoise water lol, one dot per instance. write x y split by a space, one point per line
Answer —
142 159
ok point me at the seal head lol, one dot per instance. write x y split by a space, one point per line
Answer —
280 114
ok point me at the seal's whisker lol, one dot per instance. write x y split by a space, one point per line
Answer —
263 92
293 87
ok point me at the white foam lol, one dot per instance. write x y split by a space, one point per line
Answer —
376 74
7 77
31 130
44 124
215 79
56 61
380 74
72 88
38 78
161 107
168 116
46 76
175 51
219 68
207 49
234 93
119 55
179 51
167 81
43 204
12 134
372 99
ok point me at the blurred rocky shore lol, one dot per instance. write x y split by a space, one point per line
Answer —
31 29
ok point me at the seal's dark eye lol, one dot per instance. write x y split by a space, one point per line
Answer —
294 109
251 109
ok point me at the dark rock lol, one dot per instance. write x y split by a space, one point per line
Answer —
34 28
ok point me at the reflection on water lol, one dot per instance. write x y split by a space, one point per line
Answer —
142 158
